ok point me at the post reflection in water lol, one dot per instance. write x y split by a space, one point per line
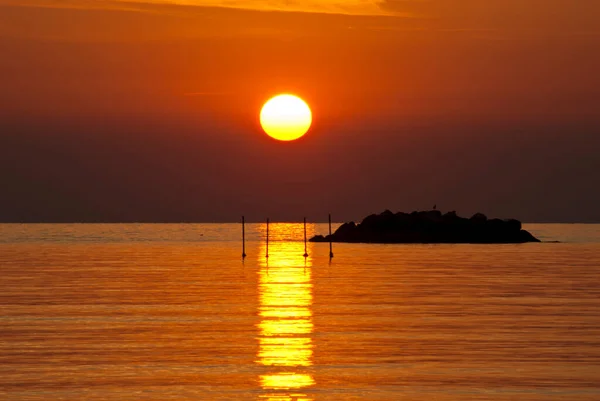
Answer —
285 296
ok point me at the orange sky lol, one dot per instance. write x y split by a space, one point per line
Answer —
368 69
407 57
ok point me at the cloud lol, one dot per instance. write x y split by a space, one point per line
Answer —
161 20
509 15
569 15
477 19
344 7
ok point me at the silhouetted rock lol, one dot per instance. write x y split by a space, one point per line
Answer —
479 217
430 227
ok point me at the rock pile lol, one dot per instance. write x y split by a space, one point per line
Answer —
430 227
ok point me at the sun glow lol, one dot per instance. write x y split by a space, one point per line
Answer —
285 117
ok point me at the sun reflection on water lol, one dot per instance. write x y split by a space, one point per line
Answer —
285 295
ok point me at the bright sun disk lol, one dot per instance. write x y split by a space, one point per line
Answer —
285 117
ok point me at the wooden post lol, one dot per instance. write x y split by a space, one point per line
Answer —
305 249
243 237
267 255
330 239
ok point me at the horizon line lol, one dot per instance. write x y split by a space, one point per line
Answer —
247 222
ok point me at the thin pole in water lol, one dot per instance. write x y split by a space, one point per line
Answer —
267 255
243 237
305 250
330 239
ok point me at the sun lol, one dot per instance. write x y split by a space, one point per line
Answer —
285 117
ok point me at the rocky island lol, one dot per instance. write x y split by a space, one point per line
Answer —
430 227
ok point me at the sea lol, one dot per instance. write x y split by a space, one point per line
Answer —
159 312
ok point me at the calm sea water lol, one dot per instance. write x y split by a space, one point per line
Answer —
170 312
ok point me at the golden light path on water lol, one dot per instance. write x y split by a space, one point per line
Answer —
285 310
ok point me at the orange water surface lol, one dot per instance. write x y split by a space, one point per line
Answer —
171 312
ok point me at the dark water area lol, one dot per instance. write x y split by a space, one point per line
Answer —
170 312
